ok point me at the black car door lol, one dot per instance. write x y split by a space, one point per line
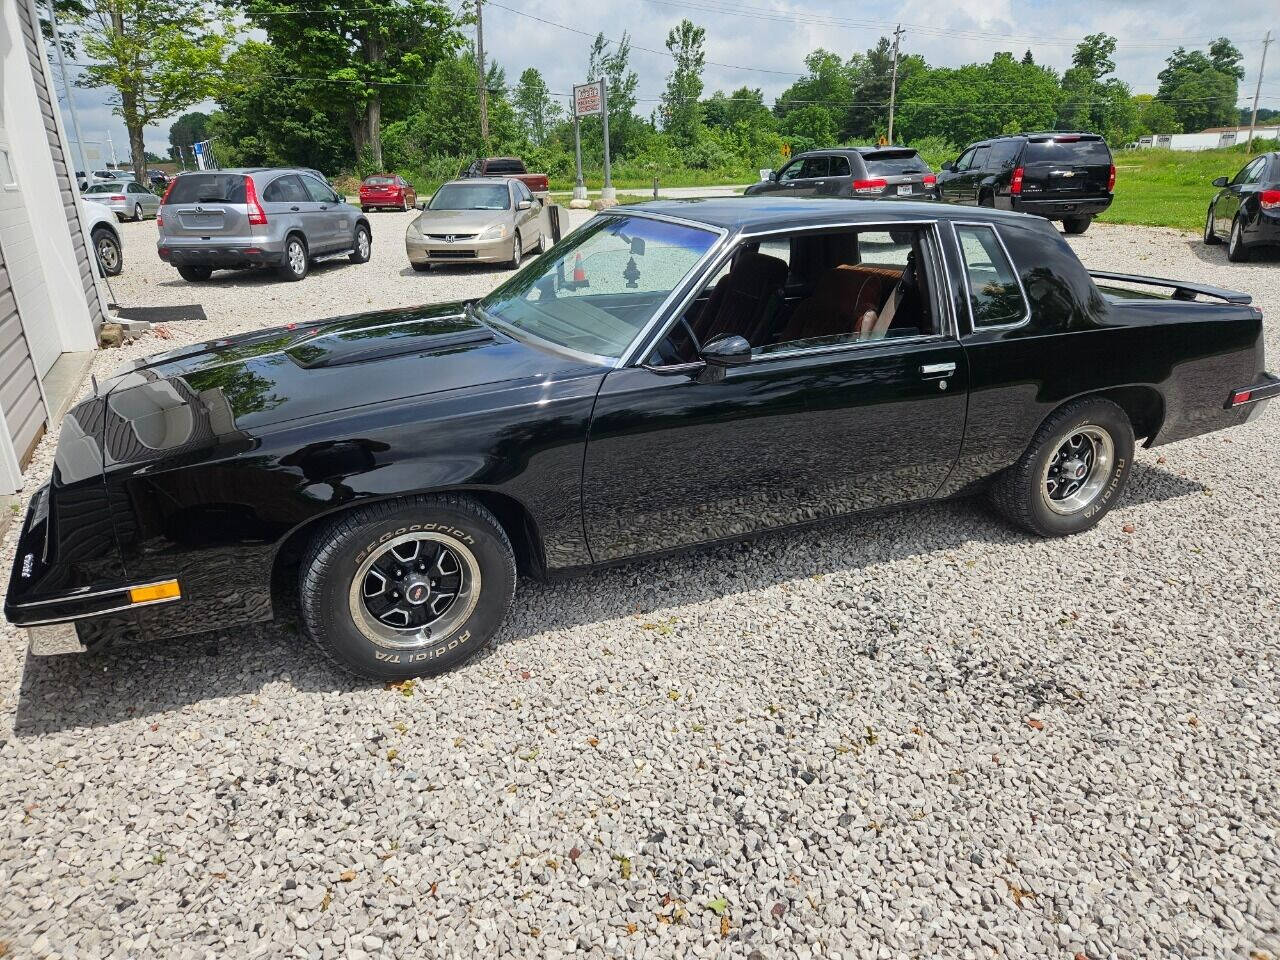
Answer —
1234 197
806 429
951 182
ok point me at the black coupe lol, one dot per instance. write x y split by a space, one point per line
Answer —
669 374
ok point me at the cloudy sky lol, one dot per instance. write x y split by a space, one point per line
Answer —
762 43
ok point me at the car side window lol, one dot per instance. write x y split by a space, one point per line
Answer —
814 167
522 191
965 161
790 172
995 296
1256 170
980 155
286 189
1248 172
840 167
317 191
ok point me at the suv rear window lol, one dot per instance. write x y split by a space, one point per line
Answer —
1067 151
208 188
897 162
504 166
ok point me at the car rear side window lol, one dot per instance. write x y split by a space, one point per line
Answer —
208 188
286 189
1084 152
1002 154
840 167
894 164
995 296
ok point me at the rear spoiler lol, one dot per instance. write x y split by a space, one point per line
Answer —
1181 291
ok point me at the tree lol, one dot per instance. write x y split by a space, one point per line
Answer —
371 55
1027 59
868 118
161 56
614 67
188 129
1093 55
535 109
1154 117
827 85
681 111
1092 100
1202 89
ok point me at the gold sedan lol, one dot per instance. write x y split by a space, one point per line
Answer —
482 220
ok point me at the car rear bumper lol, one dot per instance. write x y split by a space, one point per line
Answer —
423 250
208 254
1061 209
1266 231
1256 396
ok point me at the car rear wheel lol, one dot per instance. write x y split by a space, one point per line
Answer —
1211 237
404 204
362 246
1076 225
986 199
1072 473
1237 252
293 262
195 274
106 246
407 587
137 213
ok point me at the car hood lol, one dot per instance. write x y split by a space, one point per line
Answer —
459 221
228 389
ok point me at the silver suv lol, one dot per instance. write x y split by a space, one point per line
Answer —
282 218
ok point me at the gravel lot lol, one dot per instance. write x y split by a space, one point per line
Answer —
919 735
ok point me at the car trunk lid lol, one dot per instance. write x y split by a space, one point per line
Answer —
206 205
1065 167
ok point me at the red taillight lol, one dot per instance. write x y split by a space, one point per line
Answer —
1015 184
1241 396
1111 179
869 186
930 180
120 198
1071 139
1270 199
165 199
257 216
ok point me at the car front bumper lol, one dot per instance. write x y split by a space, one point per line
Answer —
1061 209
425 250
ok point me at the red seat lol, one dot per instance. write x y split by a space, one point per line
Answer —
846 300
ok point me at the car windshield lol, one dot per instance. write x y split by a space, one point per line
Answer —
379 181
471 196
106 188
599 287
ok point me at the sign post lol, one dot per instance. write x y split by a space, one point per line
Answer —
589 99
608 196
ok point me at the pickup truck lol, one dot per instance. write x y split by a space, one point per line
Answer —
670 374
509 167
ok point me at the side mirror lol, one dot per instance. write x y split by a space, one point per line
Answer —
422 204
637 246
731 351
1219 181
524 205
949 166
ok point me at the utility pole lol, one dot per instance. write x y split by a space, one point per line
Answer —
1257 91
893 84
480 75
66 87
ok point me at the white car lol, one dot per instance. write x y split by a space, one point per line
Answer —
103 237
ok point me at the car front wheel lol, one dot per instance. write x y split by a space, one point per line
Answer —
293 262
1211 237
408 587
517 252
1072 473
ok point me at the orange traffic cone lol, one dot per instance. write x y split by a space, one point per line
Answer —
579 274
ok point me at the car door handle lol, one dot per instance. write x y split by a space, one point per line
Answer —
294 209
821 183
933 371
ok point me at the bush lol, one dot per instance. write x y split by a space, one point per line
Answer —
935 150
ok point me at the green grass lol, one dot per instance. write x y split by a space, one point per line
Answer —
1167 188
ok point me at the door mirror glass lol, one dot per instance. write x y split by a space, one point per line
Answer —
731 351
1219 181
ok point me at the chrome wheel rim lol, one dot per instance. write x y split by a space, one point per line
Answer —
1077 471
516 252
297 258
415 589
107 254
362 244
137 211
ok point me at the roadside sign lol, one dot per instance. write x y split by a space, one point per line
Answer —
588 99
786 150
91 153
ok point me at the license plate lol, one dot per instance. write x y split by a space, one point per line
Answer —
201 219
904 190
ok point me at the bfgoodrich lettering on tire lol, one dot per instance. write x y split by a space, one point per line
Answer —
1073 471
408 587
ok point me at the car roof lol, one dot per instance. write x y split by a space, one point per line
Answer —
488 181
751 214
860 151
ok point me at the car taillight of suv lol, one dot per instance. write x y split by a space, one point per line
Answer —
257 216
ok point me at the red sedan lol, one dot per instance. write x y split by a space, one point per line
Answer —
388 190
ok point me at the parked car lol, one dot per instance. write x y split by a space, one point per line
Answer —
1247 208
158 179
129 200
387 191
280 218
668 374
104 238
512 167
478 221
1059 176
873 173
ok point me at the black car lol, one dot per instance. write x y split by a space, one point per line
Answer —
871 173
1058 176
1247 208
669 374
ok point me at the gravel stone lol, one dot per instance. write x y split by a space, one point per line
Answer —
849 744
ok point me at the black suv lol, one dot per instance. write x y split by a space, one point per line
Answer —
1058 176
875 173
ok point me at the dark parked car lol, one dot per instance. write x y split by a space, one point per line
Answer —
1058 176
1246 208
508 167
668 374
872 173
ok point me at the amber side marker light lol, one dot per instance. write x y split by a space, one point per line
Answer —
157 591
